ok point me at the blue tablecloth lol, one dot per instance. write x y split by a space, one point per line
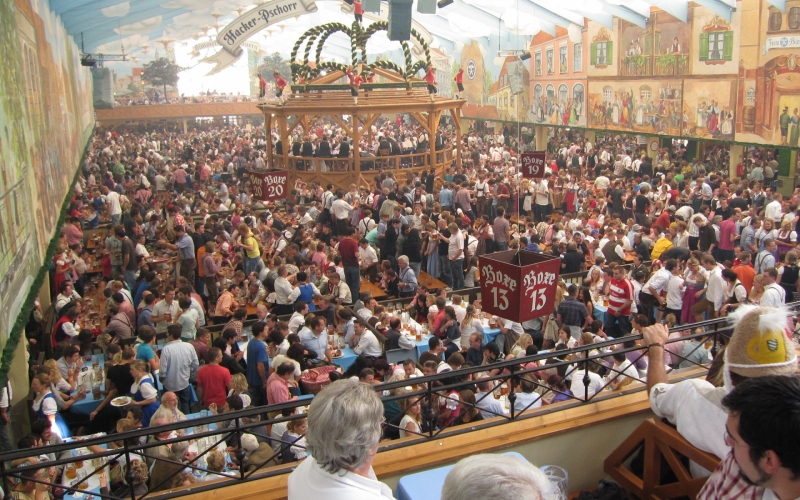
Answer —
427 485
599 312
89 404
349 356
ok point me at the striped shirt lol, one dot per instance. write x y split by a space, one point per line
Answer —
618 292
727 483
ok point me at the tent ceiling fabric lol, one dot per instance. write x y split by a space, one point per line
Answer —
108 25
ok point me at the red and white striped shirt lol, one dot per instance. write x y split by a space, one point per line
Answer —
727 483
618 292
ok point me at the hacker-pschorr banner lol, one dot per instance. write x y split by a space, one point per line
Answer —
248 24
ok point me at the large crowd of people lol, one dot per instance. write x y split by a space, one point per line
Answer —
188 246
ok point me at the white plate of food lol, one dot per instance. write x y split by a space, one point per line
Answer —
121 401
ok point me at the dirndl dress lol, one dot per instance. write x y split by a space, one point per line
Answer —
61 427
147 410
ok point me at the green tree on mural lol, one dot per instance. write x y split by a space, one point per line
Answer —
272 63
161 72
488 81
134 88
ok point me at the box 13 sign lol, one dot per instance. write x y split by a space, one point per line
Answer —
268 186
532 165
519 293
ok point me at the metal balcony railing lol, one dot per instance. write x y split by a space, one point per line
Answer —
212 431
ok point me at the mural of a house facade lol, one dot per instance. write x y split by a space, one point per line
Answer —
511 99
558 83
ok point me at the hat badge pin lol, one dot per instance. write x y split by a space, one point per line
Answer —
767 348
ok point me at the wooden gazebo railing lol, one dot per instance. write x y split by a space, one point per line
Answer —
356 120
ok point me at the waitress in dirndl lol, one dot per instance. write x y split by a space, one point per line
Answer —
145 394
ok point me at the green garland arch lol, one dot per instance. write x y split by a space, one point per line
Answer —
15 335
358 43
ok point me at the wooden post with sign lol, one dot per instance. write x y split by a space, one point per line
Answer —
518 285
532 165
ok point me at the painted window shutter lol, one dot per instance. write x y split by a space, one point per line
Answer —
593 54
728 48
704 46
784 161
610 52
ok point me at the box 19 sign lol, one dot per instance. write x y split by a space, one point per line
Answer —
519 293
532 165
268 186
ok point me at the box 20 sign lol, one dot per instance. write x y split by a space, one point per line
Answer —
532 165
268 186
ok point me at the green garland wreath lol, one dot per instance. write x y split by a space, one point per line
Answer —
15 335
358 43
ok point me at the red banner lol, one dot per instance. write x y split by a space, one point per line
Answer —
532 165
518 286
268 186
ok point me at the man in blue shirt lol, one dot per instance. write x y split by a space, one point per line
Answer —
315 339
178 367
446 198
257 365
147 311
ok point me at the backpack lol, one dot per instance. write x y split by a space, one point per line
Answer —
606 490
278 224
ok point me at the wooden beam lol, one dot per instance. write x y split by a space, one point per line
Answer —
356 144
284 132
369 123
294 124
341 123
455 113
268 129
423 122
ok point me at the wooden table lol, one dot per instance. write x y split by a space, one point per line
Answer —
377 292
95 306
429 281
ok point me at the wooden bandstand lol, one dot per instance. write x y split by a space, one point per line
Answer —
334 102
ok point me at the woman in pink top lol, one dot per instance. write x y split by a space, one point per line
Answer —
319 257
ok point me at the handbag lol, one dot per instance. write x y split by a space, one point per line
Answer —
551 330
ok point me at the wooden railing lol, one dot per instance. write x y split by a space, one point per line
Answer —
366 163
662 443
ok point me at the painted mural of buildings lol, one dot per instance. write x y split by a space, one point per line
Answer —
511 105
768 94
558 86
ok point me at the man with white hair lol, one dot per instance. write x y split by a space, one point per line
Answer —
499 477
408 280
344 428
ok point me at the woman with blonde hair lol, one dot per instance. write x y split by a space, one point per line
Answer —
411 424
215 465
786 238
144 391
519 347
469 325
248 242
239 387
294 446
45 406
766 231
63 385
